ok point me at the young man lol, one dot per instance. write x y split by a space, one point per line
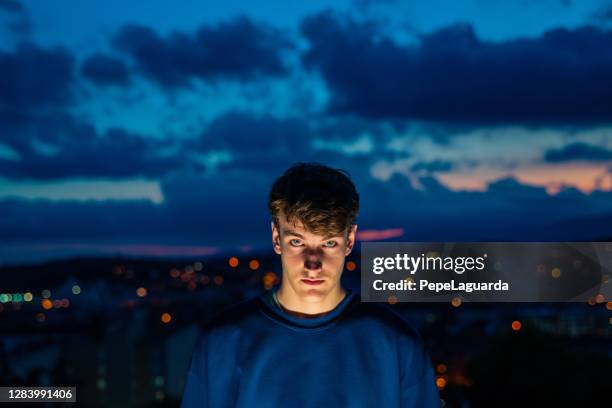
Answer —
310 342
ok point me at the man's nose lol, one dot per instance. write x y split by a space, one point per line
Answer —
312 264
312 260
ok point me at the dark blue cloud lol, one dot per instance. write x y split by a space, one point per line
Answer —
578 151
452 75
21 27
262 134
33 77
57 221
11 6
105 70
262 143
59 146
365 5
239 50
506 211
603 14
267 144
20 24
229 210
432 166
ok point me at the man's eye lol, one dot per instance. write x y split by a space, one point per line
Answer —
295 242
330 244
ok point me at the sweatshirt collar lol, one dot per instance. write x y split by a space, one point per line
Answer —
272 310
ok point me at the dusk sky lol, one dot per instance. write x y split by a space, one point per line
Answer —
157 127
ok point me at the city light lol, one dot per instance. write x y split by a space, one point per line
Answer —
101 383
233 262
556 272
166 318
254 264
269 280
76 289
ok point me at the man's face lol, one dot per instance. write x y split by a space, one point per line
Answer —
312 263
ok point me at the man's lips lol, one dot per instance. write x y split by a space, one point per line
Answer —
313 281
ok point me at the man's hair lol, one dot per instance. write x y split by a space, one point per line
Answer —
322 198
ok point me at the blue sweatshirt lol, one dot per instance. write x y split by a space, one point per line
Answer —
358 355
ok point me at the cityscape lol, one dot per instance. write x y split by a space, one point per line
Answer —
122 331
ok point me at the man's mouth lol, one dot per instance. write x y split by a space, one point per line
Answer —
313 281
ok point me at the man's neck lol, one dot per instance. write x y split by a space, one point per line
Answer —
291 303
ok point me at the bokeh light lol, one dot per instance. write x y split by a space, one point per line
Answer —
254 264
47 304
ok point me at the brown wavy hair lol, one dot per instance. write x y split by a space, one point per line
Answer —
322 198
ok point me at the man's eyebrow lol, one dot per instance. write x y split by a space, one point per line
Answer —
333 236
292 232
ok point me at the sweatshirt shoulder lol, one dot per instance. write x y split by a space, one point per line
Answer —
224 328
233 316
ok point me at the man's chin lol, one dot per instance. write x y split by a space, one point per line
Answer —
313 294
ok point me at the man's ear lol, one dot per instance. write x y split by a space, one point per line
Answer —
275 238
350 240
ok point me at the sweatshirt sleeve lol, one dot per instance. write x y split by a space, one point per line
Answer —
195 393
418 386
